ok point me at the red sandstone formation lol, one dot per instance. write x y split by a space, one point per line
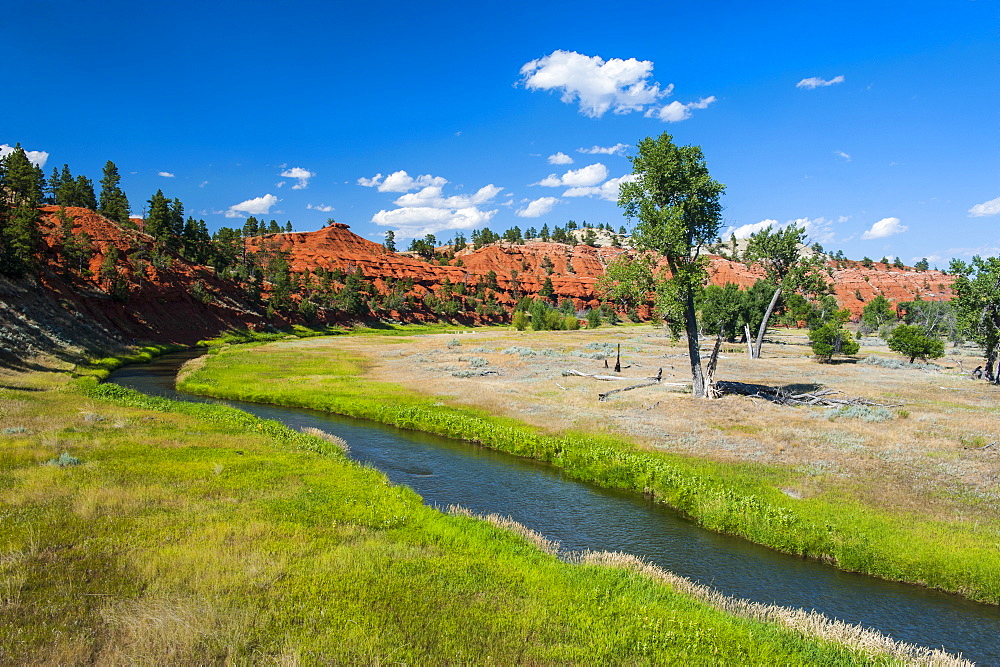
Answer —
575 269
161 305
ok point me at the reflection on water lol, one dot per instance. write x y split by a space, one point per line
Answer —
580 516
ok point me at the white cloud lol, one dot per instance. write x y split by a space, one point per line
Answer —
428 211
431 196
884 228
319 207
817 229
582 177
560 158
256 206
400 181
617 149
203 184
416 222
843 155
37 158
982 251
991 207
165 174
598 85
538 207
747 230
607 190
816 82
676 111
300 174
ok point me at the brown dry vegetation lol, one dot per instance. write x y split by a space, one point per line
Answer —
921 460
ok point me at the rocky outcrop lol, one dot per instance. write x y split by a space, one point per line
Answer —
154 294
521 269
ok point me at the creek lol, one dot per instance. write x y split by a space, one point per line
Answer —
581 516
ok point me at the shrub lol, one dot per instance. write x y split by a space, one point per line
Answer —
64 461
912 341
593 318
520 320
830 339
885 362
866 413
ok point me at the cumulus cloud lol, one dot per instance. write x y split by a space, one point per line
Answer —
884 228
165 174
843 155
991 207
538 207
816 82
582 177
416 222
560 158
256 206
431 196
428 210
597 85
299 174
319 207
617 149
607 190
749 229
677 111
37 158
817 229
400 181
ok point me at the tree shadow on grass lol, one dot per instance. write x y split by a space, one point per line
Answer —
800 388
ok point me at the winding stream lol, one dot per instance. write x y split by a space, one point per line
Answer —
580 516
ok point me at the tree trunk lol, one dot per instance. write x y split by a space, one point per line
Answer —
711 391
691 327
763 323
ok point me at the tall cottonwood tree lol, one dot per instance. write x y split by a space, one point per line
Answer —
678 207
978 305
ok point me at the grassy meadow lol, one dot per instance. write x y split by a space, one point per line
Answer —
139 530
895 496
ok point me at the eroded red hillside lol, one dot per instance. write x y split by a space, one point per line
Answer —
521 268
151 293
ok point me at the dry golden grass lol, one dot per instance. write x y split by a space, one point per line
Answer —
918 461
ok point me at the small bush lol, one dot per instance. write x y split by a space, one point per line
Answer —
866 413
453 343
64 461
14 430
478 362
886 362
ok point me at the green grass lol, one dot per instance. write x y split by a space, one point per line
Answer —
194 533
741 499
101 367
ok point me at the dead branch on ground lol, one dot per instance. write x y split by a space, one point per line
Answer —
825 397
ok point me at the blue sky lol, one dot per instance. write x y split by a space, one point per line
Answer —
874 123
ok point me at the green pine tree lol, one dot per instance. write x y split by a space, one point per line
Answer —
113 203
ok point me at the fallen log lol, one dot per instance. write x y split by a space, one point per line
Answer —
604 396
975 449
823 398
657 377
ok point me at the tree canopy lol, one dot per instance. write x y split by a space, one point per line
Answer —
677 204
